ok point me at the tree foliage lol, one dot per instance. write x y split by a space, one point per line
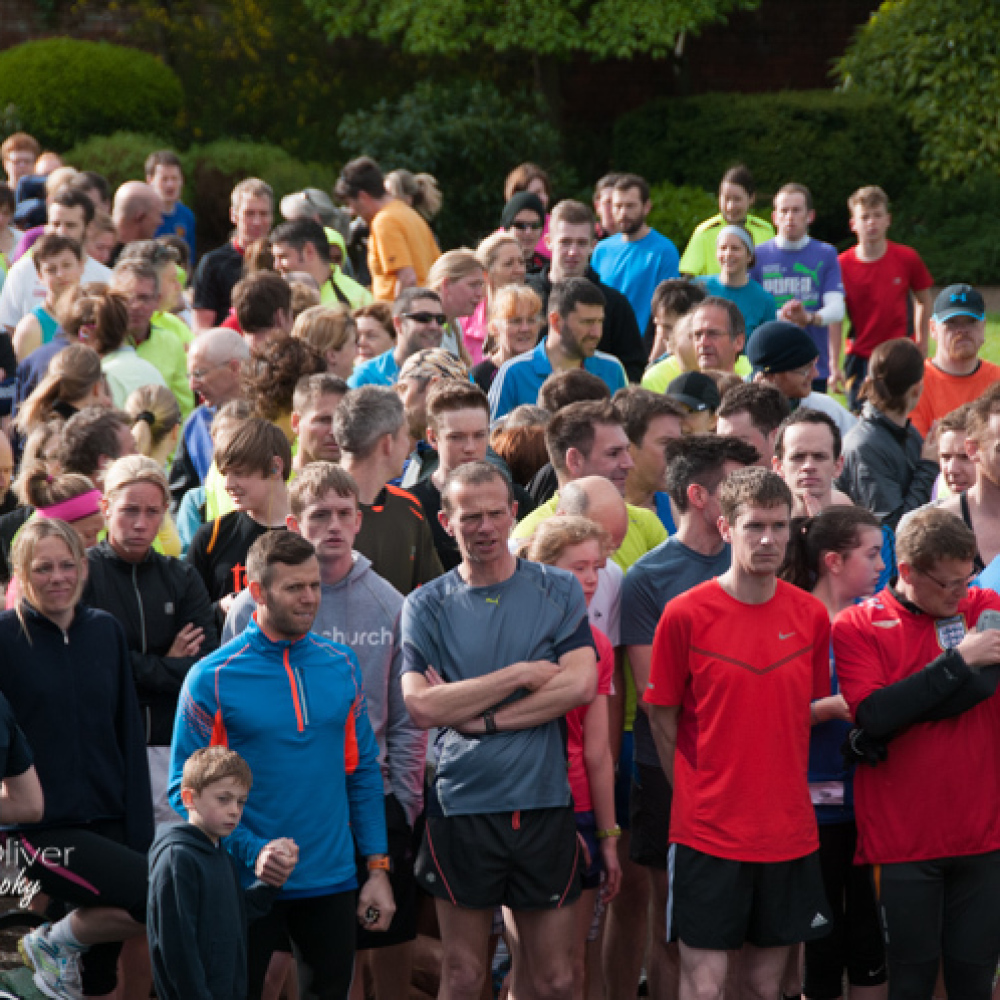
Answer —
940 60
603 29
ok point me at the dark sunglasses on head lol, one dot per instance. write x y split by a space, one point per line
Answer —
426 317
525 226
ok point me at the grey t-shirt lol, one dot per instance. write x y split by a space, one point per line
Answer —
538 613
670 570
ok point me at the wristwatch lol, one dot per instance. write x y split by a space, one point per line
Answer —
489 721
379 862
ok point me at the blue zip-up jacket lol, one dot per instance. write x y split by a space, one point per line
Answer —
295 710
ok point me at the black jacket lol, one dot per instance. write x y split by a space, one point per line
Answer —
621 331
197 917
153 600
883 470
72 694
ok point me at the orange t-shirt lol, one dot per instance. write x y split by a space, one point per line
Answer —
944 393
399 238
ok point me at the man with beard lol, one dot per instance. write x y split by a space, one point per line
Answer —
576 316
638 258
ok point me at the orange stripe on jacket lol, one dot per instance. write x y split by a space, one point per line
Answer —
220 738
295 692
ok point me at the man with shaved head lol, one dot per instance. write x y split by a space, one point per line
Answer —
137 212
213 364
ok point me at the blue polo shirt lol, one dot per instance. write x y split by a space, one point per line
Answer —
519 380
180 222
382 370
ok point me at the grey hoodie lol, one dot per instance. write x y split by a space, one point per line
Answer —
362 611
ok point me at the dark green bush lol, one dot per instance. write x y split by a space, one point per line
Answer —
66 91
120 157
468 137
956 229
211 171
832 142
677 210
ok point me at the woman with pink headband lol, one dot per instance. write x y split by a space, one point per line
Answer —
70 497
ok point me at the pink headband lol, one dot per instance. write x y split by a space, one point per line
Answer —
74 509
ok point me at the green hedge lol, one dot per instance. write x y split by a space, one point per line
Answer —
211 171
832 142
65 91
956 229
469 137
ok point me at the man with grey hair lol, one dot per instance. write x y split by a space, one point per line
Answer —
251 212
419 319
213 366
370 427
139 282
137 212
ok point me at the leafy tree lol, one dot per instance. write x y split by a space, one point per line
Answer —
543 31
940 59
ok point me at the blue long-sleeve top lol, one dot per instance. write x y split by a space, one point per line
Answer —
295 710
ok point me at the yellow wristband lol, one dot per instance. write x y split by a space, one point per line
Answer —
615 831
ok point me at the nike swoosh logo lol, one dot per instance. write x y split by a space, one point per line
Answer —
785 635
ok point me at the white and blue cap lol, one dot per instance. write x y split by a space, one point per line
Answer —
959 300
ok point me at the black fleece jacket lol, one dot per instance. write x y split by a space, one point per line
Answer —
72 694
152 600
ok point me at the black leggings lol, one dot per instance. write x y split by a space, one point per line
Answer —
942 910
855 939
322 930
87 868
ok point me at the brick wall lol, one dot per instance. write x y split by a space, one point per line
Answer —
784 45
23 21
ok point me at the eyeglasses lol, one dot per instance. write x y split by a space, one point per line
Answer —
426 317
953 586
524 227
199 373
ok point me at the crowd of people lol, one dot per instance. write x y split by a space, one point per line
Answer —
529 620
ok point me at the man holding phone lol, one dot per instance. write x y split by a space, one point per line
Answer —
919 664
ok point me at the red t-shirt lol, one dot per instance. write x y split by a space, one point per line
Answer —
578 781
877 295
744 676
938 794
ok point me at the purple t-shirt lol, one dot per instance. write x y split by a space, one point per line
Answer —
805 275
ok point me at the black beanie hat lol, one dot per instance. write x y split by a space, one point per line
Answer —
521 201
778 346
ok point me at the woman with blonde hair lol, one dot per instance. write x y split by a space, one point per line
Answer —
419 191
70 497
514 323
460 281
156 422
581 547
500 255
75 380
77 706
331 331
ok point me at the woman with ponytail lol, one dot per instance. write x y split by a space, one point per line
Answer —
156 422
888 467
837 557
74 381
156 425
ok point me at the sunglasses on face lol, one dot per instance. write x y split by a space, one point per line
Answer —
427 317
525 226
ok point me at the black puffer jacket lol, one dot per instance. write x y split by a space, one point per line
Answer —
152 600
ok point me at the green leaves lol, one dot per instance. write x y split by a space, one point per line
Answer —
603 29
940 61
65 90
